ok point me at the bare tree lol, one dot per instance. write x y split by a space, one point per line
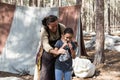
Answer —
83 15
51 3
60 2
79 2
109 17
43 3
14 2
99 56
21 2
93 18
33 3
30 2
38 3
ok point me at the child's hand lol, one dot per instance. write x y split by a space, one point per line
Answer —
70 45
64 45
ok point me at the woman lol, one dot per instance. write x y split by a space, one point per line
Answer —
50 33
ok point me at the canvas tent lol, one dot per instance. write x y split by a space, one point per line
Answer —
20 34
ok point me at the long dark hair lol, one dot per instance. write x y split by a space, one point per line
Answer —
47 20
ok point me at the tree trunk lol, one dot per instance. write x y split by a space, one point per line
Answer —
38 3
8 1
99 56
59 3
51 3
109 32
33 3
30 2
14 2
83 15
93 21
43 3
79 2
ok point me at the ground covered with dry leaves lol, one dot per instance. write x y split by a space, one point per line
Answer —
108 71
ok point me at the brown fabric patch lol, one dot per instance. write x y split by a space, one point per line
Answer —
69 16
6 17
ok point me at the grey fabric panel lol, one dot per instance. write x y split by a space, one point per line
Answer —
19 53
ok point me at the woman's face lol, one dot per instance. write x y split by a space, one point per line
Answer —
53 26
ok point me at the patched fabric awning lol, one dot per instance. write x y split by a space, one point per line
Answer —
20 33
70 16
6 17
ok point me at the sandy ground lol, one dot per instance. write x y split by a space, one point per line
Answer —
108 71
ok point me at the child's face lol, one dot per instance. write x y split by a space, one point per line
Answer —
68 37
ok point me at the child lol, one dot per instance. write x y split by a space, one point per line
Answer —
63 64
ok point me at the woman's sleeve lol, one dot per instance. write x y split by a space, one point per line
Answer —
44 40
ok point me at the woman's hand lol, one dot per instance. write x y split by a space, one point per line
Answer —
61 51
